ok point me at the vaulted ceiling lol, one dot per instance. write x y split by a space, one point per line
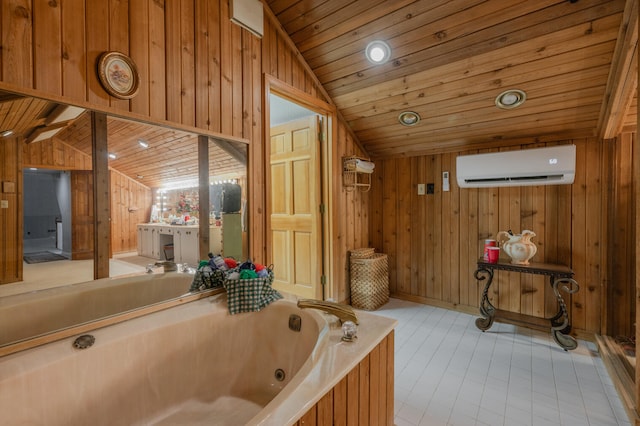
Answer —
170 157
574 59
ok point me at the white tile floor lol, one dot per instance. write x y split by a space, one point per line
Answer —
450 373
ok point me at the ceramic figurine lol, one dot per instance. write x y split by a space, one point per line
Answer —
518 247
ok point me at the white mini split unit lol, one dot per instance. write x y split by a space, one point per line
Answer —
541 166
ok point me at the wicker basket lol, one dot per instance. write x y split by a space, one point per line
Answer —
369 282
362 253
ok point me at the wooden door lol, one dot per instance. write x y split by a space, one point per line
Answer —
295 208
81 215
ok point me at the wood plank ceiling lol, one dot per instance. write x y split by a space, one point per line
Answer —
575 59
169 160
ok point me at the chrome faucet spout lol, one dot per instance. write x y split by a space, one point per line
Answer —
343 312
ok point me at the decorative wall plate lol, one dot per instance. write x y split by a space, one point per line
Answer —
118 75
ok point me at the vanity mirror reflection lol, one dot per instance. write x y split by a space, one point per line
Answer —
154 175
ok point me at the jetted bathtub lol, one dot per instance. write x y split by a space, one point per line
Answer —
191 364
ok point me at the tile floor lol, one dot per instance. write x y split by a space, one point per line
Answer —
450 373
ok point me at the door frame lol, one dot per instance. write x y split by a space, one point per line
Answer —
329 113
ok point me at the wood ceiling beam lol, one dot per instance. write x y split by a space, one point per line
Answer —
622 82
238 154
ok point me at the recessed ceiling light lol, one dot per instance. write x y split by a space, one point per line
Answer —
143 143
6 133
112 156
409 118
511 98
378 52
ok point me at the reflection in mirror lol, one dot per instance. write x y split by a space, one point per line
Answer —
227 199
153 177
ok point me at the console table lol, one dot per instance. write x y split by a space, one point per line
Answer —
560 278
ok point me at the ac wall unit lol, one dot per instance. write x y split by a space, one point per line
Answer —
541 166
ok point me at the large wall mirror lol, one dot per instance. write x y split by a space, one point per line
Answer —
155 214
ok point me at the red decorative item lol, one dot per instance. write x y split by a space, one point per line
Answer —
231 263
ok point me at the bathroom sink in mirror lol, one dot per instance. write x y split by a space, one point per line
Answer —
153 182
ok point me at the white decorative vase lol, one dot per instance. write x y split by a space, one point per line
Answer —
518 247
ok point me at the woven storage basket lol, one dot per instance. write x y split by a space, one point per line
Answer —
362 253
369 282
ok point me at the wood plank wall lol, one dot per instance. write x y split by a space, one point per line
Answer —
621 295
433 241
55 155
350 214
83 215
196 69
130 205
11 246
364 397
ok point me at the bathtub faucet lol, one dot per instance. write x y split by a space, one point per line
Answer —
343 312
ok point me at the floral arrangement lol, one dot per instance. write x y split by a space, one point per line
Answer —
187 203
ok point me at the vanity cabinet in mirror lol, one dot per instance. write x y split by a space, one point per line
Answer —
145 162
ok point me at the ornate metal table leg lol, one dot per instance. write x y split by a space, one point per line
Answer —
558 329
487 310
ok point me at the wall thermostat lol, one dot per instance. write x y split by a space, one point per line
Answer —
445 181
